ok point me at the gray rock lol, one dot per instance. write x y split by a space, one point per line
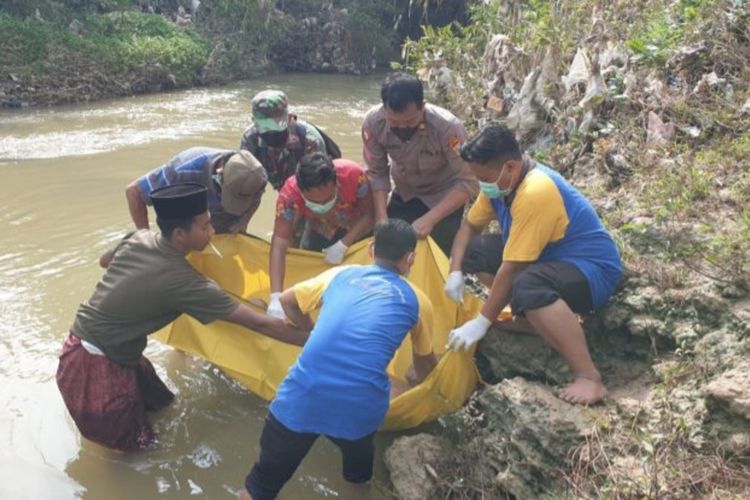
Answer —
411 461
732 291
645 298
720 349
643 325
730 392
741 320
615 316
504 354
698 302
685 335
618 168
530 433
617 353
727 400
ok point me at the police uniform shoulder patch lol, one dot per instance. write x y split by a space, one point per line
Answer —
453 144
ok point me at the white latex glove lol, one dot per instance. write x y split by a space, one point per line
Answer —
335 253
468 334
454 287
274 307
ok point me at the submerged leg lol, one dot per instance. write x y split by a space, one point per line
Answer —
103 398
154 392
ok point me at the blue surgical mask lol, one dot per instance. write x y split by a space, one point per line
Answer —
321 209
491 189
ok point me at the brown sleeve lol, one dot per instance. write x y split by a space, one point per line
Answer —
376 158
123 241
200 297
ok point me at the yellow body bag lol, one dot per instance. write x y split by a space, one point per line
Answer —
261 363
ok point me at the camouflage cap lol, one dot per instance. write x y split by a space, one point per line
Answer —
270 111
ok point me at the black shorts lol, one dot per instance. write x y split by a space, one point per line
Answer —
539 285
443 232
282 450
316 242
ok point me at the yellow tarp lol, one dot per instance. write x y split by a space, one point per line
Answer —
261 363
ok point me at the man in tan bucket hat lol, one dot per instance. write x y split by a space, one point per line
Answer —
235 182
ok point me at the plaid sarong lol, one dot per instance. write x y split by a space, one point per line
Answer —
108 401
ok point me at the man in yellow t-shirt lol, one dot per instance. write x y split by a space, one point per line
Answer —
553 258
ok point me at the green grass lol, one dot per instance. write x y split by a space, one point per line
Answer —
654 42
679 192
25 43
117 42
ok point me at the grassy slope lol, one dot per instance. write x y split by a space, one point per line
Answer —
115 53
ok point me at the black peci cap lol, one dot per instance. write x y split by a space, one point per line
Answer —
180 201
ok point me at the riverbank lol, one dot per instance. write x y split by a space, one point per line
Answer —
646 109
58 52
60 55
109 55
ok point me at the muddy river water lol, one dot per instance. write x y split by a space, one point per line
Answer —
62 177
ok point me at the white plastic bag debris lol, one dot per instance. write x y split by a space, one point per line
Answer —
579 71
657 131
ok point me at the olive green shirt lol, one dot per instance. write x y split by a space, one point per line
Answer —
147 285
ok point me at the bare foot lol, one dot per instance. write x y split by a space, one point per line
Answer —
583 391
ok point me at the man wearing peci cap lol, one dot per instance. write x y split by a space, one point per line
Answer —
105 381
235 182
279 140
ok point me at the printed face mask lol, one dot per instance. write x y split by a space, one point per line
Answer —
321 208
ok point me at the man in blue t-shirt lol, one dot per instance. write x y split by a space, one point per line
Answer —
339 386
553 258
235 182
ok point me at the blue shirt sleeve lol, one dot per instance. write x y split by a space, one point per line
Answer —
157 178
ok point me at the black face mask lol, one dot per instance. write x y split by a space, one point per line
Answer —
404 133
275 139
